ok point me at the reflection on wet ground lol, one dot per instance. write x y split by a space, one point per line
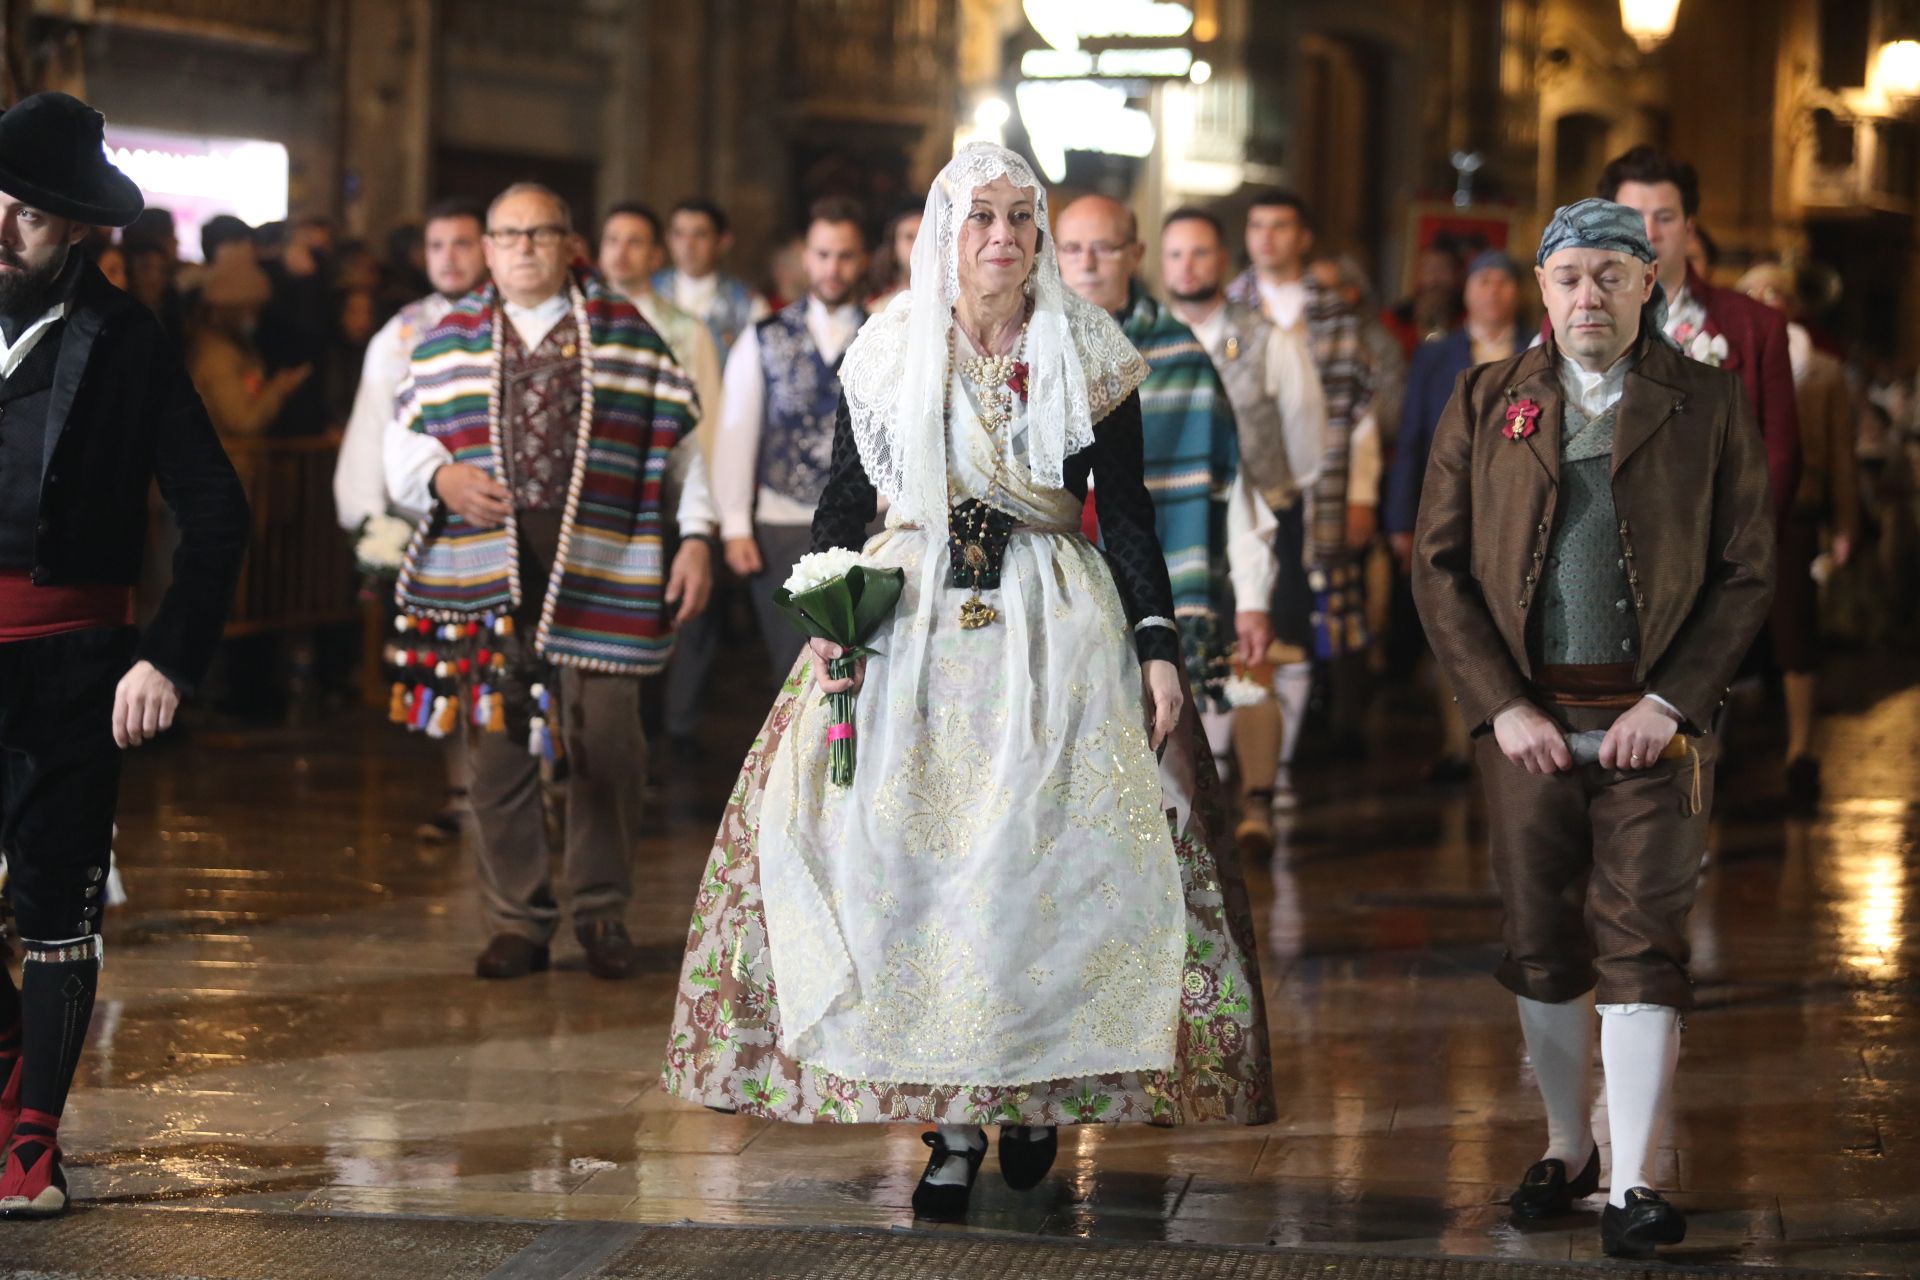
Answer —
288 1020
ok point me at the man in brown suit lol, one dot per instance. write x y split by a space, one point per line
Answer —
1593 554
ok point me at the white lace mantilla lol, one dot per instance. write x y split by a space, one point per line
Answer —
1080 364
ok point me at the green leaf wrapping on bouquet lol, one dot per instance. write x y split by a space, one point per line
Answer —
848 610
875 593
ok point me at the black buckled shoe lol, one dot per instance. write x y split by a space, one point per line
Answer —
511 956
1026 1154
1545 1192
939 1202
1646 1221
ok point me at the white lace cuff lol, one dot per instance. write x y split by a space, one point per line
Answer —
1156 621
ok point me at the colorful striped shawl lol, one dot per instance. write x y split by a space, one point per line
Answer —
1192 452
602 610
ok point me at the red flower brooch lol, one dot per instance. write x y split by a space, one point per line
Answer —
1017 380
1523 419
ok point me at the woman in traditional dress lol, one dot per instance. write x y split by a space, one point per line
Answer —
1013 916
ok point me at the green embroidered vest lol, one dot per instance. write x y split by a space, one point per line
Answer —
1585 612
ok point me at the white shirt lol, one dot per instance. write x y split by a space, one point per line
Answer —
413 456
359 477
743 398
1594 393
534 323
1285 303
12 353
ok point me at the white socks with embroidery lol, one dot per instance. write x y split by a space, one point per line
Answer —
1640 1048
1560 1046
959 1137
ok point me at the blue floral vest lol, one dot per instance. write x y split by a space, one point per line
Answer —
803 393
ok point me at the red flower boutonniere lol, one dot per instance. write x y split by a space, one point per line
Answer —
1523 419
1017 380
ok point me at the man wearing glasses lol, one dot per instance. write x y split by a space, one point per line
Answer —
1219 556
536 425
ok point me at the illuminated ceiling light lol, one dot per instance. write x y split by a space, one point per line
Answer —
1899 69
1065 23
1200 72
1649 21
992 114
1080 115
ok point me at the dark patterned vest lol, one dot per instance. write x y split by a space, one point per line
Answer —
540 414
803 393
1586 611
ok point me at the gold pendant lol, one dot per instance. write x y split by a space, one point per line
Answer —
976 613
569 351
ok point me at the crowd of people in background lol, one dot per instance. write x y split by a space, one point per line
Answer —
276 322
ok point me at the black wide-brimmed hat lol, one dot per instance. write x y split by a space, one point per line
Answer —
51 157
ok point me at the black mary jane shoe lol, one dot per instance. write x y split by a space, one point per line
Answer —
1026 1154
1545 1192
1646 1221
945 1202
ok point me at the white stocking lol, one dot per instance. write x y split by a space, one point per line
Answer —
1292 685
959 1137
1639 1047
1560 1046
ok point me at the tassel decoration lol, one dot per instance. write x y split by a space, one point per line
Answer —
397 704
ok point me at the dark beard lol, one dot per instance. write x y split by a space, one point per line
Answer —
26 293
1191 296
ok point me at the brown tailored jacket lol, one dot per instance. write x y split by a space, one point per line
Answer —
1691 492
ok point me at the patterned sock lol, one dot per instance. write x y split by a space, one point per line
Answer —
57 986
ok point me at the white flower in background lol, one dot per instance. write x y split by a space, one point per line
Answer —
1709 348
1242 692
383 541
819 567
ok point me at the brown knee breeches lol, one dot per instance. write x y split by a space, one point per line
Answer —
1596 868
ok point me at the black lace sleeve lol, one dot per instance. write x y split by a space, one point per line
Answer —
848 503
1118 463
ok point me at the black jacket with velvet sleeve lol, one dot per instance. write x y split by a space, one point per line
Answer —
124 416
1115 459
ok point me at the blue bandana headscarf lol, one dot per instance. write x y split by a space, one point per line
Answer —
1602 224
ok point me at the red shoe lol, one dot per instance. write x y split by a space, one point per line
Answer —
32 1183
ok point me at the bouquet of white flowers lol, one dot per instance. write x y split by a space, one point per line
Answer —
381 543
842 597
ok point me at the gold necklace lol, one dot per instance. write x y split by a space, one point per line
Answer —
992 378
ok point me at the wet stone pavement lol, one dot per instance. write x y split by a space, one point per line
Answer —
288 1021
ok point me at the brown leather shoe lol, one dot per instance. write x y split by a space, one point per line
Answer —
1254 835
609 949
510 955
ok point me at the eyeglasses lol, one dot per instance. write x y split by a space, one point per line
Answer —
507 237
1099 249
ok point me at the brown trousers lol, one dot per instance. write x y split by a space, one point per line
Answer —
1596 869
606 753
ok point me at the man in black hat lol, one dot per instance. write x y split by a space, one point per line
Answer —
95 407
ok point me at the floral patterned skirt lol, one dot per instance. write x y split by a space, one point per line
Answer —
724 1046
